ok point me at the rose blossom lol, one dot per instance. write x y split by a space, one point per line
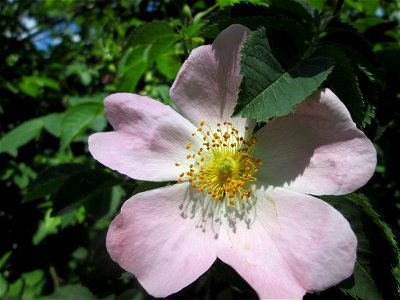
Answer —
241 197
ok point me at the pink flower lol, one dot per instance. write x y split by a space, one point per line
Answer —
242 198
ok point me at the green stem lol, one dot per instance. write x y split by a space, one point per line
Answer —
54 277
325 21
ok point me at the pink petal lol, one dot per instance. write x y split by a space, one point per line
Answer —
159 237
316 150
207 85
295 244
150 138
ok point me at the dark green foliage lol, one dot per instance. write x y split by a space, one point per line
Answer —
146 44
344 83
271 88
372 234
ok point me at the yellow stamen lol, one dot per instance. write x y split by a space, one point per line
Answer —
224 168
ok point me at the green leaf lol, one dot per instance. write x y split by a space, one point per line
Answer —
361 284
364 286
72 291
365 23
50 180
82 187
52 123
33 284
3 286
318 4
4 259
80 253
290 18
158 36
192 29
131 68
168 65
344 83
369 7
363 202
300 10
146 44
28 130
369 229
15 289
73 217
350 42
33 85
95 98
76 119
268 89
49 225
20 136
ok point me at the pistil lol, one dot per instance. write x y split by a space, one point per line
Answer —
223 167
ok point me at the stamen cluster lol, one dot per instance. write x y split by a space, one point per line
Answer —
223 167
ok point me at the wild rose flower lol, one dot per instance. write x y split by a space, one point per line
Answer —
241 197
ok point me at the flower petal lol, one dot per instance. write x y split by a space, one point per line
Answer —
159 239
207 85
295 244
150 138
316 150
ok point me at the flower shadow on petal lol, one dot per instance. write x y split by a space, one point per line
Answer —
316 143
227 76
211 213
243 212
202 207
314 158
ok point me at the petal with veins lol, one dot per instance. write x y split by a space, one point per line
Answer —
207 85
295 244
148 140
316 150
164 238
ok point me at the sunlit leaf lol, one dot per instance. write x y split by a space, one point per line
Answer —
20 136
72 291
268 89
52 123
47 226
95 98
3 286
33 85
131 68
319 4
168 65
76 119
15 288
33 284
146 44
4 259
159 36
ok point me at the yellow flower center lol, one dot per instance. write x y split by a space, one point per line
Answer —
223 167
